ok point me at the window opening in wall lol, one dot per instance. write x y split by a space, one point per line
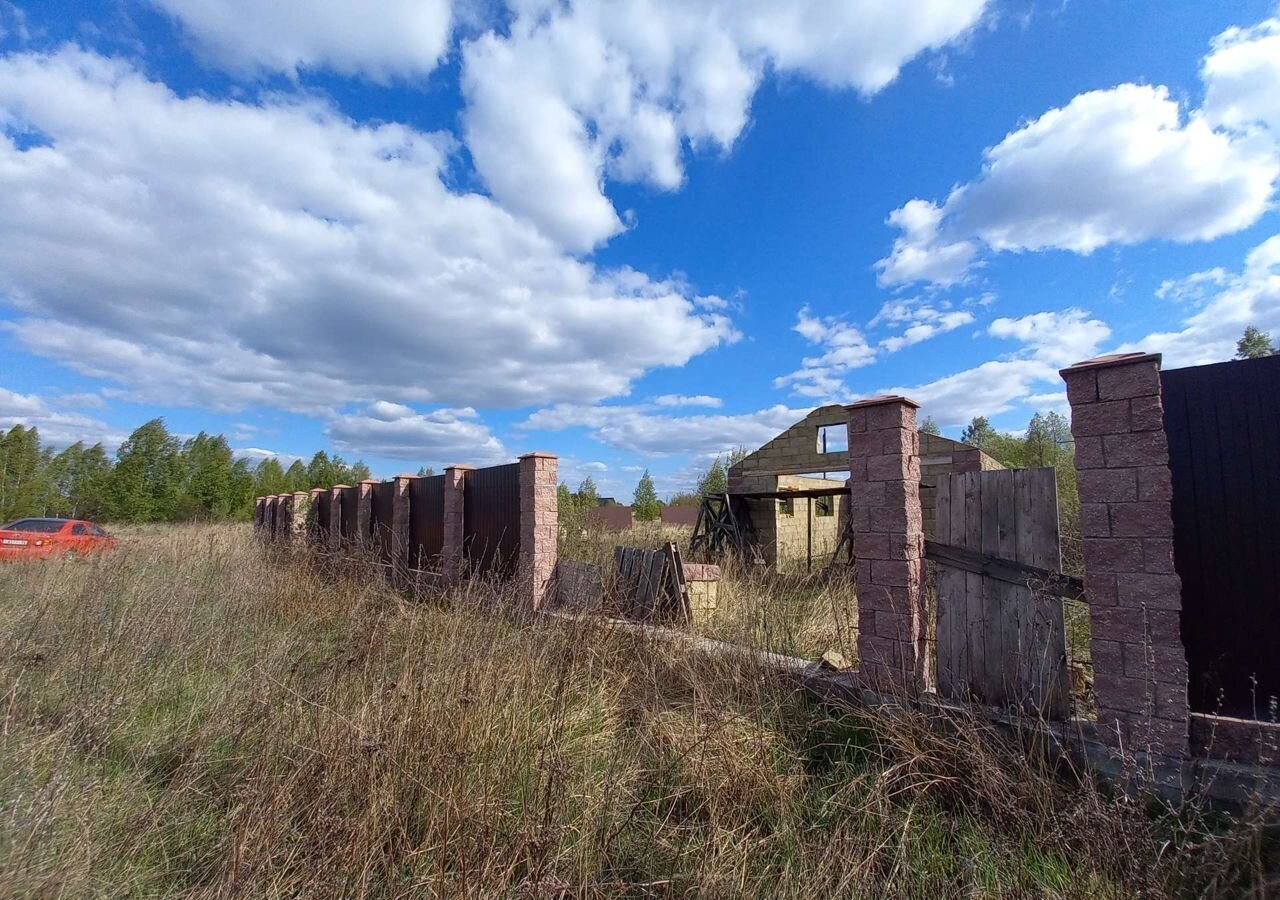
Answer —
787 507
833 438
824 506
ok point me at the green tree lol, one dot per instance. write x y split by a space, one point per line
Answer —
929 426
269 478
146 482
645 505
320 471
297 478
568 513
979 433
209 492
426 471
587 497
87 486
242 492
359 472
715 480
1254 344
20 472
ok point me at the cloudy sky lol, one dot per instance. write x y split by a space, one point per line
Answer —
632 232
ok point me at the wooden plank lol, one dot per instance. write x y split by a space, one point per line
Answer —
994 593
1010 613
1007 570
681 612
975 626
944 601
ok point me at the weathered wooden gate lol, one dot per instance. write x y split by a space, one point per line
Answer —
426 521
491 513
1001 638
1223 426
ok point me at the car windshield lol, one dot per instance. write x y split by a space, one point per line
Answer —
39 526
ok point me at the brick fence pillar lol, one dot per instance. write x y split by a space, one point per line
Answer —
539 526
888 538
1134 593
298 517
259 507
401 556
335 517
364 513
453 557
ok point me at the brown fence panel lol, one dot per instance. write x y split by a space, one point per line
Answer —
1223 425
491 511
320 510
426 521
348 521
381 504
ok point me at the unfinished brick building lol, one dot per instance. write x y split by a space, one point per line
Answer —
814 454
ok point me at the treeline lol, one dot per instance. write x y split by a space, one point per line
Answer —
153 477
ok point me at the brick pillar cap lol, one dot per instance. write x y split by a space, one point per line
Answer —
371 481
462 466
539 454
1110 359
398 477
316 491
881 401
336 486
301 494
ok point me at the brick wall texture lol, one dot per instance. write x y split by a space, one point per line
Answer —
888 538
1135 596
539 526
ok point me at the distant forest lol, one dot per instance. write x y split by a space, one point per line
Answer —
153 477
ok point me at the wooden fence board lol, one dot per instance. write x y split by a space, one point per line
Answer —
1000 642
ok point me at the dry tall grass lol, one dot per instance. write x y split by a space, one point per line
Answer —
199 716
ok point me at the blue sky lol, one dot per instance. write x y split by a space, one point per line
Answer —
635 233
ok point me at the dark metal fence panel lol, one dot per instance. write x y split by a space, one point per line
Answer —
380 511
321 511
491 503
1223 425
426 521
349 520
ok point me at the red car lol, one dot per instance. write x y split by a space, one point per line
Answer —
40 538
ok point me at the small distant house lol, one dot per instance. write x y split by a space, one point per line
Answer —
812 455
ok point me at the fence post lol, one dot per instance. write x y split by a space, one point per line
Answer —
300 511
401 552
539 526
888 539
364 513
1134 593
259 507
452 551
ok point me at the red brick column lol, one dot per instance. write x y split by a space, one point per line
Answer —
335 517
539 526
259 507
888 538
400 553
453 560
364 513
301 509
1135 595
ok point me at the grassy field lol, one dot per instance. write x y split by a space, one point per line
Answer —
197 716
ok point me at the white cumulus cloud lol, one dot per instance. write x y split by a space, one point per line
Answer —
573 94
376 39
225 253
440 437
1116 166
